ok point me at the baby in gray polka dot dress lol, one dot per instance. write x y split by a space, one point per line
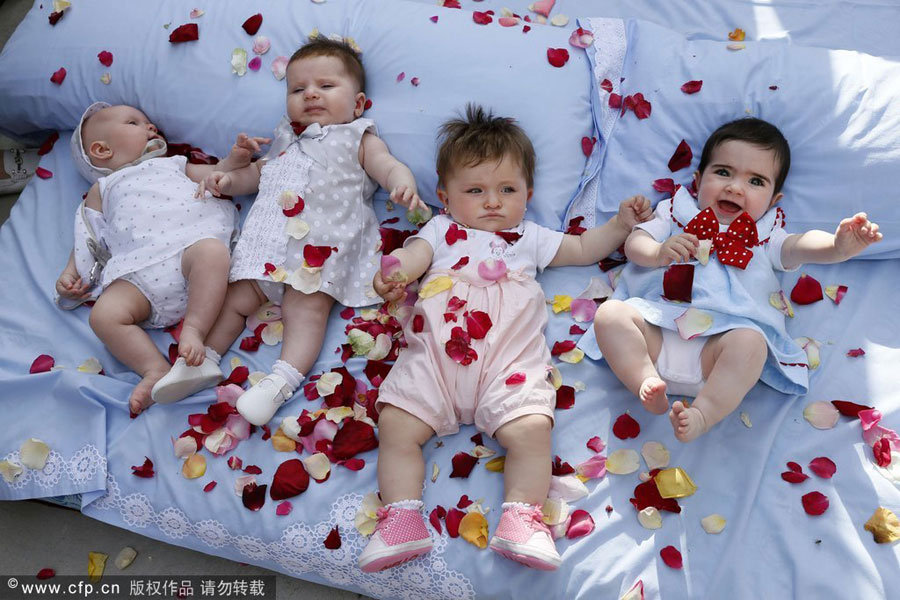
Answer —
166 247
311 237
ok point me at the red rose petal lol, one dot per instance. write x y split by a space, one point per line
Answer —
560 468
823 467
418 323
56 16
794 477
47 146
478 323
238 376
678 282
296 209
250 343
806 291
454 234
796 468
354 464
849 409
463 463
59 76
517 378
43 173
189 32
290 480
587 145
665 185
435 519
347 313
574 227
596 444
647 494
562 347
45 573
626 427
254 496
252 24
42 364
576 330
856 353
477 439
606 85
353 438
105 58
641 107
460 263
681 158
252 470
315 256
557 56
145 470
464 501
333 541
565 397
368 104
692 87
433 19
882 452
671 556
454 516
482 18
815 503
615 101
458 348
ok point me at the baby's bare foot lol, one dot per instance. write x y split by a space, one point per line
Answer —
687 421
140 396
191 347
653 395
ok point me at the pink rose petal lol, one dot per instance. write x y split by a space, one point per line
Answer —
42 364
823 467
580 524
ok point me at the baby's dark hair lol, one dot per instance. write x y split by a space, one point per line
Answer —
479 137
323 46
753 131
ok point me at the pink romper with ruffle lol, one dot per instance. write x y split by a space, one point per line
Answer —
448 375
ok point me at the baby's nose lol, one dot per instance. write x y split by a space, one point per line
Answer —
152 128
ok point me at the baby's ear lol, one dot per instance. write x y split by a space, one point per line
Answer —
442 196
697 180
99 150
530 193
360 105
775 199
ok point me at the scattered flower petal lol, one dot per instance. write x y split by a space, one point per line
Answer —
10 471
692 87
815 503
33 453
463 463
713 523
568 487
453 519
580 524
807 290
239 62
542 7
209 486
194 466
318 466
623 462
737 35
105 58
671 556
821 414
572 357
197 13
261 44
592 468
145 470
811 347
435 286
626 427
693 322
856 353
58 76
681 158
45 573
836 292
655 455
474 529
674 483
559 20
496 465
583 309
91 366
255 63
745 419
43 173
333 540
189 32
884 525
251 25
279 67
823 467
517 378
849 409
678 282
781 302
96 565
557 56
491 270
636 592
596 444
650 518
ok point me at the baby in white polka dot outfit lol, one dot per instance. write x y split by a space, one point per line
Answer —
311 237
168 248
706 327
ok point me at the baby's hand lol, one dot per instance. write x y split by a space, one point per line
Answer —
70 286
678 248
633 211
407 196
391 291
855 234
216 183
243 150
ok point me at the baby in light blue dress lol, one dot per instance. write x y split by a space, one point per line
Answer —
704 327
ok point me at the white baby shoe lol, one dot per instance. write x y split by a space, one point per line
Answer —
19 164
259 403
181 381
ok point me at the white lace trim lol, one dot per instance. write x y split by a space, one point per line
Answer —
81 468
300 549
610 46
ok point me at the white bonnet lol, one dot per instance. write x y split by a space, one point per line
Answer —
82 162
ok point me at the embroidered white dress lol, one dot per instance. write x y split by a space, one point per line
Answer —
312 225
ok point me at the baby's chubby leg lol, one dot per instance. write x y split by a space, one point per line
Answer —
630 346
114 318
205 266
527 469
401 468
242 298
305 322
732 363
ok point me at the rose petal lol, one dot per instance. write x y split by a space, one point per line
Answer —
692 323
279 67
10 471
45 573
261 44
33 453
655 455
43 173
849 409
189 32
255 63
453 519
581 38
794 476
474 529
565 397
239 62
823 467
681 158
806 291
713 523
671 556
836 292
197 13
692 87
636 592
884 525
105 58
856 353
674 483
592 468
517 378
650 518
781 302
811 347
435 286
253 496
542 7
821 414
580 524
557 56
583 310
478 324
145 470
58 76
251 25
318 466
290 480
596 444
491 269
737 35
567 487
815 503
623 462
185 446
463 463
626 427
678 282
209 486
353 438
482 18
194 466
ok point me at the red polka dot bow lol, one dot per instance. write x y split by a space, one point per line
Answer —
731 246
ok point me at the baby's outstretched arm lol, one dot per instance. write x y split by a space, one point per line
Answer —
70 285
853 235
239 158
415 258
597 243
390 173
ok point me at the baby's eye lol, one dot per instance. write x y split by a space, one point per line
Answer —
474 190
722 172
327 86
757 181
509 189
298 90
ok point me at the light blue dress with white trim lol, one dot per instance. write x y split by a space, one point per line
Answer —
735 298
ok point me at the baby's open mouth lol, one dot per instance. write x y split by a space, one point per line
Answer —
728 207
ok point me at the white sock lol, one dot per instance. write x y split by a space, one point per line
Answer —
286 371
212 355
413 504
506 505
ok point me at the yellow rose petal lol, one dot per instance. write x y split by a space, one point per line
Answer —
194 466
435 286
282 443
318 466
561 303
674 483
495 465
573 357
96 565
623 462
474 529
713 523
884 525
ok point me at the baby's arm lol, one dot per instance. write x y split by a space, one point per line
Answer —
390 173
853 235
597 243
70 285
241 152
644 251
415 258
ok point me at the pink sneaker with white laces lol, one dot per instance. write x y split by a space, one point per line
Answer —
523 537
400 535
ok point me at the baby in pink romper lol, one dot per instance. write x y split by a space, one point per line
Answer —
486 362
